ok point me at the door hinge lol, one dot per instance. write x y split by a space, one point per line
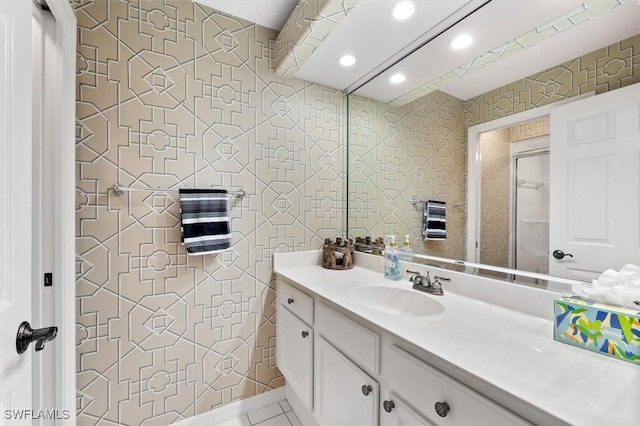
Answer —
43 5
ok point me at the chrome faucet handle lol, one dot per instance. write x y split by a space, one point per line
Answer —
414 275
437 284
418 279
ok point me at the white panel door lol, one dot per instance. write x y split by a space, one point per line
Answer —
344 394
294 354
15 205
595 190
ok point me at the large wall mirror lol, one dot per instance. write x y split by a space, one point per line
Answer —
478 128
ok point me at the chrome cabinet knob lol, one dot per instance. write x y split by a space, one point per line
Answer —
388 406
442 408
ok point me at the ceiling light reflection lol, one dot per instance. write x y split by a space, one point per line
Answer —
347 60
403 10
461 41
397 78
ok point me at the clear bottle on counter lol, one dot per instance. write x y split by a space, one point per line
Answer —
405 253
391 261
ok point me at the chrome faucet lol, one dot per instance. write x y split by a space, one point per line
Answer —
424 283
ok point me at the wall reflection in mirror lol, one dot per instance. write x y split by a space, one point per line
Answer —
416 146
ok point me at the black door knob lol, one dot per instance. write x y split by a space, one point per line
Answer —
366 389
442 408
559 254
388 406
290 300
305 334
26 335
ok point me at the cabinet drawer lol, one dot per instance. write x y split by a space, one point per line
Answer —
351 338
424 386
295 300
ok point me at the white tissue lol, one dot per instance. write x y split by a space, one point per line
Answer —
619 288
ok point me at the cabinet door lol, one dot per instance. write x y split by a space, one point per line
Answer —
345 395
294 354
401 414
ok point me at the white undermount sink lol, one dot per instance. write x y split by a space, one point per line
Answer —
396 301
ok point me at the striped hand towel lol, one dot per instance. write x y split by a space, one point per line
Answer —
434 222
205 220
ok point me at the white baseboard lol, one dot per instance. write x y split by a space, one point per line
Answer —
235 409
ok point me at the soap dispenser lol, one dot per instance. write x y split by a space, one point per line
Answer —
405 253
391 261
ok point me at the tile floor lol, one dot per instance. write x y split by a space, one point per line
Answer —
278 414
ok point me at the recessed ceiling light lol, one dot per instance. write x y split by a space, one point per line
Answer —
461 41
397 78
347 60
403 10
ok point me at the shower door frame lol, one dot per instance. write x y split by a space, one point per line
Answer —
513 192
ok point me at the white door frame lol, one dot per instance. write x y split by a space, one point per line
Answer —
473 166
64 207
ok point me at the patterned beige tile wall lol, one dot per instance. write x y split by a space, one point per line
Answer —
172 94
609 68
494 196
529 129
309 24
416 150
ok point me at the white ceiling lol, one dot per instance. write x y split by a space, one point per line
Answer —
490 26
495 24
373 36
268 13
378 41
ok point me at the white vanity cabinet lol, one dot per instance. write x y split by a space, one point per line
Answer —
339 368
294 341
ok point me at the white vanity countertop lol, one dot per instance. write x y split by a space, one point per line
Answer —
507 355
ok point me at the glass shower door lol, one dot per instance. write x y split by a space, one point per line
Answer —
531 207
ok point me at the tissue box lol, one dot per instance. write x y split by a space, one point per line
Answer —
608 330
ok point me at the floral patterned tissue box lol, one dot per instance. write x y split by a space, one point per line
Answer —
609 330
